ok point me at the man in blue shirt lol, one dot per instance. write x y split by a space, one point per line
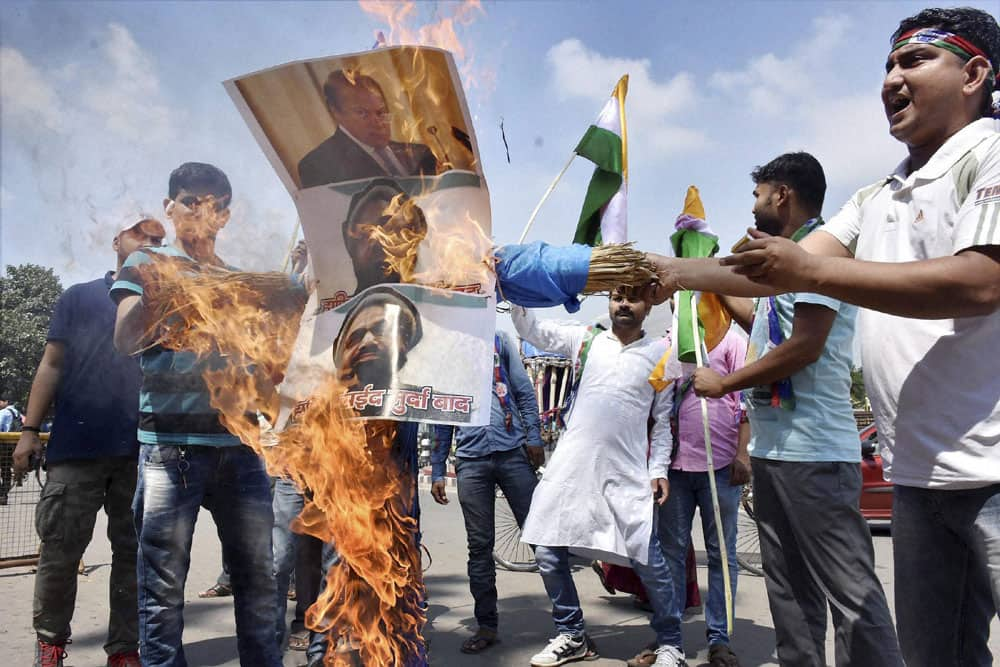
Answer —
187 457
90 459
804 449
505 454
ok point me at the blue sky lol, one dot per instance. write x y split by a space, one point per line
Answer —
101 100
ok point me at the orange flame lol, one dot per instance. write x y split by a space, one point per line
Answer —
361 492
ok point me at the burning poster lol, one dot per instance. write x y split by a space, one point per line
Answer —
378 154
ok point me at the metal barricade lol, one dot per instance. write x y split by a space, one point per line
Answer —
18 539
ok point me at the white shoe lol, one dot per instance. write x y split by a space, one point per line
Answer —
562 649
669 656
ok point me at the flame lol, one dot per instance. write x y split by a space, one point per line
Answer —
361 493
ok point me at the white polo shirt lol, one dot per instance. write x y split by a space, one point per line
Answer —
934 385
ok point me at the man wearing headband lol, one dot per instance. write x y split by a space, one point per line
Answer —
920 251
90 459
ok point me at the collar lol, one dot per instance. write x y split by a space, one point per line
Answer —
611 334
362 145
950 152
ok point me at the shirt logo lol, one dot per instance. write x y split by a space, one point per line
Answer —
987 195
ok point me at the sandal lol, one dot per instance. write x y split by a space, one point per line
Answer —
720 655
217 591
298 641
480 641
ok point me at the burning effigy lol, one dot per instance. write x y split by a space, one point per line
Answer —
392 324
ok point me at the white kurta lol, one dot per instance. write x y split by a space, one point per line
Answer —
595 496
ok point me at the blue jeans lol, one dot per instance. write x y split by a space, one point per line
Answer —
690 490
288 502
553 564
477 481
231 483
946 552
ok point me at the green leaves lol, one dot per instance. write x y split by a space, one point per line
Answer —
28 293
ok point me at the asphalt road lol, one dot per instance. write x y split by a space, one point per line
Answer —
619 629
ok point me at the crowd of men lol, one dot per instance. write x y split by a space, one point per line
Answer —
917 252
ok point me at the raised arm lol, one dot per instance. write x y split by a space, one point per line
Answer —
130 325
555 337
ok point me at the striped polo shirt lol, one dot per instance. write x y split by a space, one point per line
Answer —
174 406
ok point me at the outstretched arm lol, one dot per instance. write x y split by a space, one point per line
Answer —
555 337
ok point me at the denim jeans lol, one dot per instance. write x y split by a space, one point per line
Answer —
231 483
74 493
287 504
690 490
477 481
553 564
946 552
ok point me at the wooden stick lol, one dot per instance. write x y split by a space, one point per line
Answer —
544 197
291 246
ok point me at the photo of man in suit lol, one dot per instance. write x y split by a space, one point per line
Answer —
375 338
382 220
362 145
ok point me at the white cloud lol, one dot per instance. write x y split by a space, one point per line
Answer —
127 95
25 94
582 73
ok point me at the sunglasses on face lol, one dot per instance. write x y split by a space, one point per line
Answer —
194 202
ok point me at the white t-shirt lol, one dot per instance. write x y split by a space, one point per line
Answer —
934 384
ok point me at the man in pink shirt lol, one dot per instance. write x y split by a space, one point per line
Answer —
689 488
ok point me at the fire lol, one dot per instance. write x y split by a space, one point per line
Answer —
362 493
442 34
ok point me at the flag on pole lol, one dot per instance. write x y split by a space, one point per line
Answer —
694 238
605 143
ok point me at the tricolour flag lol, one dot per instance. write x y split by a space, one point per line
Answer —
603 218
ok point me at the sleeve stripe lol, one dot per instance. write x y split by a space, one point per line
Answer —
127 286
986 234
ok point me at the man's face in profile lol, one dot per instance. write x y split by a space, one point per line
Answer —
370 351
364 113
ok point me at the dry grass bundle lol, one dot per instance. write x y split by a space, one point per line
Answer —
614 265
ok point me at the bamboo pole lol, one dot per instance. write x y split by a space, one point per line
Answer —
544 198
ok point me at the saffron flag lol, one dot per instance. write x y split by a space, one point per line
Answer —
694 238
605 143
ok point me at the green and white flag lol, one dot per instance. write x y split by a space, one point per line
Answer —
604 216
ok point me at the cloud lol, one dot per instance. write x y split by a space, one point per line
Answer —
26 96
126 95
578 72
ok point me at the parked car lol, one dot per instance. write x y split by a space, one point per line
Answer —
876 493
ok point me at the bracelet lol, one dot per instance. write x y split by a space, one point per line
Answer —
33 429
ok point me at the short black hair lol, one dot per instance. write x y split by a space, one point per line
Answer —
978 27
203 178
801 172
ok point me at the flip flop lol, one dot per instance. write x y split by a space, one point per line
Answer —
480 641
217 591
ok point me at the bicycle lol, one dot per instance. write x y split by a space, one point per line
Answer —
747 537
509 552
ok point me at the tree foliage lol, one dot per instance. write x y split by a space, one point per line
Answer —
28 294
859 399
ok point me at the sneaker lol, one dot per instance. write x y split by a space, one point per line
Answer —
49 655
124 659
645 658
565 648
669 656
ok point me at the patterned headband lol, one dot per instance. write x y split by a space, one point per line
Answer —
960 46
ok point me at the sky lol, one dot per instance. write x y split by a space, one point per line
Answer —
100 100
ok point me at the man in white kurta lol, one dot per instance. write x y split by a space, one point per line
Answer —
597 495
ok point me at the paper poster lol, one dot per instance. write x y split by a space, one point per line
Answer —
378 153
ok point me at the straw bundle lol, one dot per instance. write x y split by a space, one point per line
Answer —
614 265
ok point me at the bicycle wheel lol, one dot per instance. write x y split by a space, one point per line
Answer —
747 537
509 552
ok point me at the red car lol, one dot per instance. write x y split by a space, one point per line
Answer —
876 493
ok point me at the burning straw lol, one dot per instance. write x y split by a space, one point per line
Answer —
614 265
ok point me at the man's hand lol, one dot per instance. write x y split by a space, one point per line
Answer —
708 383
775 261
739 470
28 445
666 282
438 492
661 489
536 456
